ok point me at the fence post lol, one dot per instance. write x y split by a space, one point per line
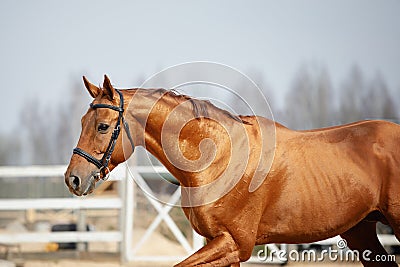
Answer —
198 241
81 227
127 215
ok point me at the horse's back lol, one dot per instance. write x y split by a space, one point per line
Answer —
373 138
366 128
373 145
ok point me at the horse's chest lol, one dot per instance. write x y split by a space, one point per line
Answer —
207 221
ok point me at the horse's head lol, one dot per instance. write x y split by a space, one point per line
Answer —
99 148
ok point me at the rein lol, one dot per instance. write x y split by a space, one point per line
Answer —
103 163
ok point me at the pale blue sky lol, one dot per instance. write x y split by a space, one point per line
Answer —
46 46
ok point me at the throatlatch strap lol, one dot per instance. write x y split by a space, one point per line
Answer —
128 133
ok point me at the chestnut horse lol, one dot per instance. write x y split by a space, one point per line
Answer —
314 184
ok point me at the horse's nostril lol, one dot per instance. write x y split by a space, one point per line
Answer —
74 181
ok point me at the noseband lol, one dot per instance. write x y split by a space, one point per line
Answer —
102 164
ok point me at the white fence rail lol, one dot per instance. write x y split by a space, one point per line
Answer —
124 202
72 203
60 203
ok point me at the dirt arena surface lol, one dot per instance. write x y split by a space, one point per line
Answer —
113 260
68 263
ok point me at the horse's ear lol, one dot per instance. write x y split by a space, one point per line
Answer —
109 89
93 90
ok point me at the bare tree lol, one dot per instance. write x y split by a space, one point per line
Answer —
378 101
250 101
36 127
309 103
10 149
50 132
365 100
351 106
68 123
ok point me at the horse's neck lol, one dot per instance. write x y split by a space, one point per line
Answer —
162 119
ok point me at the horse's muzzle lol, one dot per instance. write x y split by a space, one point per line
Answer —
79 187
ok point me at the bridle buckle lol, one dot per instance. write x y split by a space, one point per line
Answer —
104 173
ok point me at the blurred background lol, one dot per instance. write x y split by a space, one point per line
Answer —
319 63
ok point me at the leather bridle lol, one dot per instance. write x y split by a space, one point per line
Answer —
103 163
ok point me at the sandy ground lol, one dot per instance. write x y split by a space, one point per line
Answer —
69 263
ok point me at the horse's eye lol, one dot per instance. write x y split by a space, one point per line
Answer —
102 127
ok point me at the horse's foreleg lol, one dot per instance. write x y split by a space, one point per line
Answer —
224 261
221 251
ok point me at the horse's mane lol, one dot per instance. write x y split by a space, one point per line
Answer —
200 107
